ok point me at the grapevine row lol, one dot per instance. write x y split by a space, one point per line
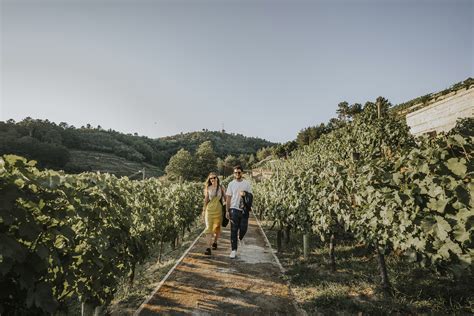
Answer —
64 236
373 180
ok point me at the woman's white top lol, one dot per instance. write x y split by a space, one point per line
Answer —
211 192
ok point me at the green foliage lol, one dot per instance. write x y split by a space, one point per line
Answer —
264 153
181 166
284 150
206 160
464 126
226 166
310 134
50 144
345 113
50 154
224 144
65 236
371 179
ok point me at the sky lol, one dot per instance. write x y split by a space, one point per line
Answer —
259 68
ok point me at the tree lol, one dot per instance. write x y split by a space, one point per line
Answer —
221 167
303 137
63 125
29 124
355 109
310 134
264 153
52 137
343 111
181 165
229 163
206 160
334 123
384 105
251 160
243 161
284 150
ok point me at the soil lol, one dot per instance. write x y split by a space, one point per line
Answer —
250 284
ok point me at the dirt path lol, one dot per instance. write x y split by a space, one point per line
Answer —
202 285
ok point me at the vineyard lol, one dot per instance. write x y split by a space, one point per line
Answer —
65 237
76 238
371 181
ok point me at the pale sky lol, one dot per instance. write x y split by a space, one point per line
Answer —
262 68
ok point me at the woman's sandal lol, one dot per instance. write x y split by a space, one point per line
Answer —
214 246
208 251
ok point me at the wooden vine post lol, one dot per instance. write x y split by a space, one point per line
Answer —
287 235
89 309
386 286
279 237
305 246
332 255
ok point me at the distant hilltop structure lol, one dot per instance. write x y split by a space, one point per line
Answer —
438 112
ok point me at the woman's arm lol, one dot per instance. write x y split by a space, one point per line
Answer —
206 200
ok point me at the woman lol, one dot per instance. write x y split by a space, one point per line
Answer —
214 198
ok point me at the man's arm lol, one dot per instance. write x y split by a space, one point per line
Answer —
228 195
227 205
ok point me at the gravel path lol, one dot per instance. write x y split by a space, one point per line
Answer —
217 285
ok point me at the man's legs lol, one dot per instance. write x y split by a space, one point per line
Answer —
243 225
235 217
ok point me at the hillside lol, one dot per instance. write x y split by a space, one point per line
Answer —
346 112
63 146
81 160
224 144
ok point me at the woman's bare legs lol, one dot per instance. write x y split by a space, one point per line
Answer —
210 238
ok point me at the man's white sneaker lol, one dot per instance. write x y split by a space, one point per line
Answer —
233 253
241 243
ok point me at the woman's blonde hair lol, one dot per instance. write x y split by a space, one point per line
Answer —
208 182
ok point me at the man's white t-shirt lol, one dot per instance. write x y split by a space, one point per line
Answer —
234 188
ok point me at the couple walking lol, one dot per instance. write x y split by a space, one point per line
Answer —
238 202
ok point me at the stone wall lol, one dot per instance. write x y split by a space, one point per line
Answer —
441 114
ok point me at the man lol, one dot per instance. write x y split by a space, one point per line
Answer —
239 217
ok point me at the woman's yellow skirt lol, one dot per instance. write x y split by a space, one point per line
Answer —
213 216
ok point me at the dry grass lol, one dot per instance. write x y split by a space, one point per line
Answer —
354 287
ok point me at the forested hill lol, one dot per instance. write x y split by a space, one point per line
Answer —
63 146
224 144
